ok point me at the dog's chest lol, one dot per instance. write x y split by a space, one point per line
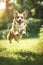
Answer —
20 27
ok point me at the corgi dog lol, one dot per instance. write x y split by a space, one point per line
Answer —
18 26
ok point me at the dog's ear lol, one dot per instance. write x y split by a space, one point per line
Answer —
15 13
25 13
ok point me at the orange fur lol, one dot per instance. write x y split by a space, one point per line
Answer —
18 26
11 36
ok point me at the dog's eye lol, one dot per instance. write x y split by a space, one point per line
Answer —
22 17
17 16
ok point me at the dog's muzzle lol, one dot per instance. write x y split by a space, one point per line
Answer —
19 21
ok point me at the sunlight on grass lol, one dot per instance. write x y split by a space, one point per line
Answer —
23 45
26 51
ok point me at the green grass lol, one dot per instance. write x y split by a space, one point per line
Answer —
26 52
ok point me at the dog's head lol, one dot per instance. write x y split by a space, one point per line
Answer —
20 17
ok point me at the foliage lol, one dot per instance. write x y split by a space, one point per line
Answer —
33 26
6 22
41 33
3 34
0 35
3 24
28 4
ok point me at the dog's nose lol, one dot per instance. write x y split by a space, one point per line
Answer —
20 20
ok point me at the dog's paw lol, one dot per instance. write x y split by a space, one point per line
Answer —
10 42
24 33
16 33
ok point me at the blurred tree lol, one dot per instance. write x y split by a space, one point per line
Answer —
33 26
35 7
7 7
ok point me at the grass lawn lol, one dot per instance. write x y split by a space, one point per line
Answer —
26 52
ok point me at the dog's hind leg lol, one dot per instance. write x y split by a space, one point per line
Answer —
9 37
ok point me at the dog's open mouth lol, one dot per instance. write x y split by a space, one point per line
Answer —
19 22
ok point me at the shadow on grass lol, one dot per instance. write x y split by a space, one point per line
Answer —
24 58
2 49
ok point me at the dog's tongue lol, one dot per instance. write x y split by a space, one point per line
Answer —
19 22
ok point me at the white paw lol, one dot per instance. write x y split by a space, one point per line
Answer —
16 33
24 32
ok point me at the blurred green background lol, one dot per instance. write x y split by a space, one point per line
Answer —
30 49
34 19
